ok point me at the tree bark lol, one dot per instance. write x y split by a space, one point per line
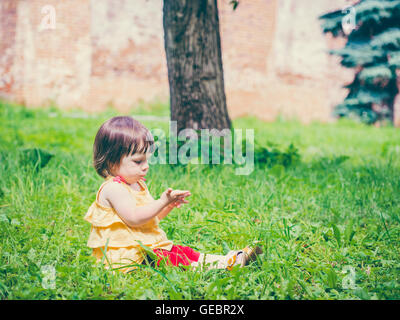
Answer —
194 62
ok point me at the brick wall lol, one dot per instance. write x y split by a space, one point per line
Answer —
111 52
8 21
128 58
52 65
291 73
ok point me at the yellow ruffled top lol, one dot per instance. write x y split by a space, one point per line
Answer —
122 246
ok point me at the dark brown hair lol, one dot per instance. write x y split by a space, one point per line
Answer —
118 137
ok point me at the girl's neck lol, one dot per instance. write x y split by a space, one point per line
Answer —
120 179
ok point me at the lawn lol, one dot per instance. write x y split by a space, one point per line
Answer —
329 224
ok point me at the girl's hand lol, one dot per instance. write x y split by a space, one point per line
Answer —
178 203
175 197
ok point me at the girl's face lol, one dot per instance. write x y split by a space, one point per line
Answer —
133 167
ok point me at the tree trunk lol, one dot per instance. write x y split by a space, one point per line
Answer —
195 73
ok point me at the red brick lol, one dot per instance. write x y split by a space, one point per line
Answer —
112 52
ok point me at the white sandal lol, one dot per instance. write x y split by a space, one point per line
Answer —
242 257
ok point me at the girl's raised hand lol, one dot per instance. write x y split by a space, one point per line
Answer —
178 202
175 197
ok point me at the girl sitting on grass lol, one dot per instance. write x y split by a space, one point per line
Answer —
125 217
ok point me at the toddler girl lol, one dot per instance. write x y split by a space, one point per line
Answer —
125 216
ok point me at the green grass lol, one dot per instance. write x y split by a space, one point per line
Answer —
336 209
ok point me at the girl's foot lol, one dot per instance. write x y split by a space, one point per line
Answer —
242 257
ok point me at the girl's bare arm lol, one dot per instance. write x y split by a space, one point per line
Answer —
123 202
165 211
125 205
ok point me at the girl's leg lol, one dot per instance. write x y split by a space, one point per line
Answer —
238 257
211 261
178 255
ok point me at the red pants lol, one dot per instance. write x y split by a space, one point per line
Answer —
177 255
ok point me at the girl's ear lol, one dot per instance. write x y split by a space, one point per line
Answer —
111 168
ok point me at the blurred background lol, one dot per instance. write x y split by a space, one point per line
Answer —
95 54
